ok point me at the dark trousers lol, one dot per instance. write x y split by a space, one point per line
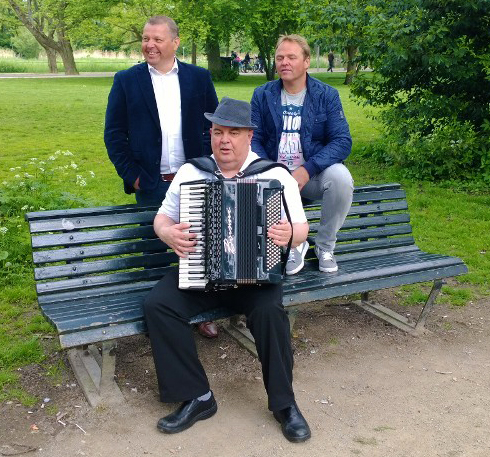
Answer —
152 197
181 376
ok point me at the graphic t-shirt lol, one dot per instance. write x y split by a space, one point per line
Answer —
290 152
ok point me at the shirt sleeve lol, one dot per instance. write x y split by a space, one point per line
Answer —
171 204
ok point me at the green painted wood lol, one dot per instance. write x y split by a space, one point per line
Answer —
91 237
67 224
46 290
80 212
102 250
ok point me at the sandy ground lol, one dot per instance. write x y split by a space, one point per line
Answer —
366 389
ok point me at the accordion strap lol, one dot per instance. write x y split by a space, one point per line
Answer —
256 167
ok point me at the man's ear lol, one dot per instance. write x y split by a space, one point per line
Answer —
250 135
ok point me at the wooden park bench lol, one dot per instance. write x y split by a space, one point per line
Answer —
94 266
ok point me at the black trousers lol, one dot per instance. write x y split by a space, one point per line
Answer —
180 374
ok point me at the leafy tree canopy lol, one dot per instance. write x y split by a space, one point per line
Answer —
431 69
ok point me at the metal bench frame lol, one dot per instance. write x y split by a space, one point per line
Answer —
93 267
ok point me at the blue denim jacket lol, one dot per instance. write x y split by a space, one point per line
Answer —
325 136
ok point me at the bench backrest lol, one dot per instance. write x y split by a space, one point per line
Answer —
108 249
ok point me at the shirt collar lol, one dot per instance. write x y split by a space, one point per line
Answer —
174 69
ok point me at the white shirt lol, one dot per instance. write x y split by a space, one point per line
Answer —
167 94
170 206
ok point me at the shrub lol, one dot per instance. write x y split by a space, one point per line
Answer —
32 187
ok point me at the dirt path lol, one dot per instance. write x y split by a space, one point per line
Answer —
366 389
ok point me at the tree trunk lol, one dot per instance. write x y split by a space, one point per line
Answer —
66 53
212 51
194 53
351 64
51 55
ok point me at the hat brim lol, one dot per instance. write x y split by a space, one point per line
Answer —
227 123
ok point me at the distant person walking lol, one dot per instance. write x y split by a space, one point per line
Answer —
331 59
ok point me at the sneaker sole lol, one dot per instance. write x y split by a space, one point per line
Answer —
201 416
329 270
299 267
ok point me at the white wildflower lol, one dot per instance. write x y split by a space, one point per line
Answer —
31 207
81 181
67 153
27 175
42 162
12 169
57 153
42 169
3 230
17 176
41 208
92 174
8 264
4 183
25 207
74 165
33 159
51 158
22 183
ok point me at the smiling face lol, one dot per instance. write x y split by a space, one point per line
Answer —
230 147
159 46
291 63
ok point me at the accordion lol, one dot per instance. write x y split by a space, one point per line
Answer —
230 219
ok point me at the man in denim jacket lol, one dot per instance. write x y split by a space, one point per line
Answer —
301 123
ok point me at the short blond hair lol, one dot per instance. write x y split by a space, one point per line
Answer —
301 41
171 24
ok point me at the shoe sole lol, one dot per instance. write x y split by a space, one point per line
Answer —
329 270
201 416
293 439
300 267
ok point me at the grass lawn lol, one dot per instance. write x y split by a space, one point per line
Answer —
42 116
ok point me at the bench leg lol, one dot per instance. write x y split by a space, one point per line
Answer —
436 288
397 319
95 373
237 329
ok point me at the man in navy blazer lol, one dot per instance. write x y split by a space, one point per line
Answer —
155 119
134 128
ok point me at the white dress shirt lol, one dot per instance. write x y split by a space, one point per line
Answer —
167 94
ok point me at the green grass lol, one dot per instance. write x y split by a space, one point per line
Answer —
42 116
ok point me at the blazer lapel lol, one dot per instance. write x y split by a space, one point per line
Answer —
146 86
185 91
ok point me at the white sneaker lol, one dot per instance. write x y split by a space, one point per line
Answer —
326 260
296 259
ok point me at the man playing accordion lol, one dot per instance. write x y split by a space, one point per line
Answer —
181 377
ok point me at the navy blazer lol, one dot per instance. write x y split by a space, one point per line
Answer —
132 133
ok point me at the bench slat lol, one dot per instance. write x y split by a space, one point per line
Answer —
102 250
359 210
368 285
351 273
85 222
55 288
81 212
78 238
100 266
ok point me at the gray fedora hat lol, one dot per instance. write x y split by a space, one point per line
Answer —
232 113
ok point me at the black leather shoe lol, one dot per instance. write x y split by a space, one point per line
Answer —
293 424
187 415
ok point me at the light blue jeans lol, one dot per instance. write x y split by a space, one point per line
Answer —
334 186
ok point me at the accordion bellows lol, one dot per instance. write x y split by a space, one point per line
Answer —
230 219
